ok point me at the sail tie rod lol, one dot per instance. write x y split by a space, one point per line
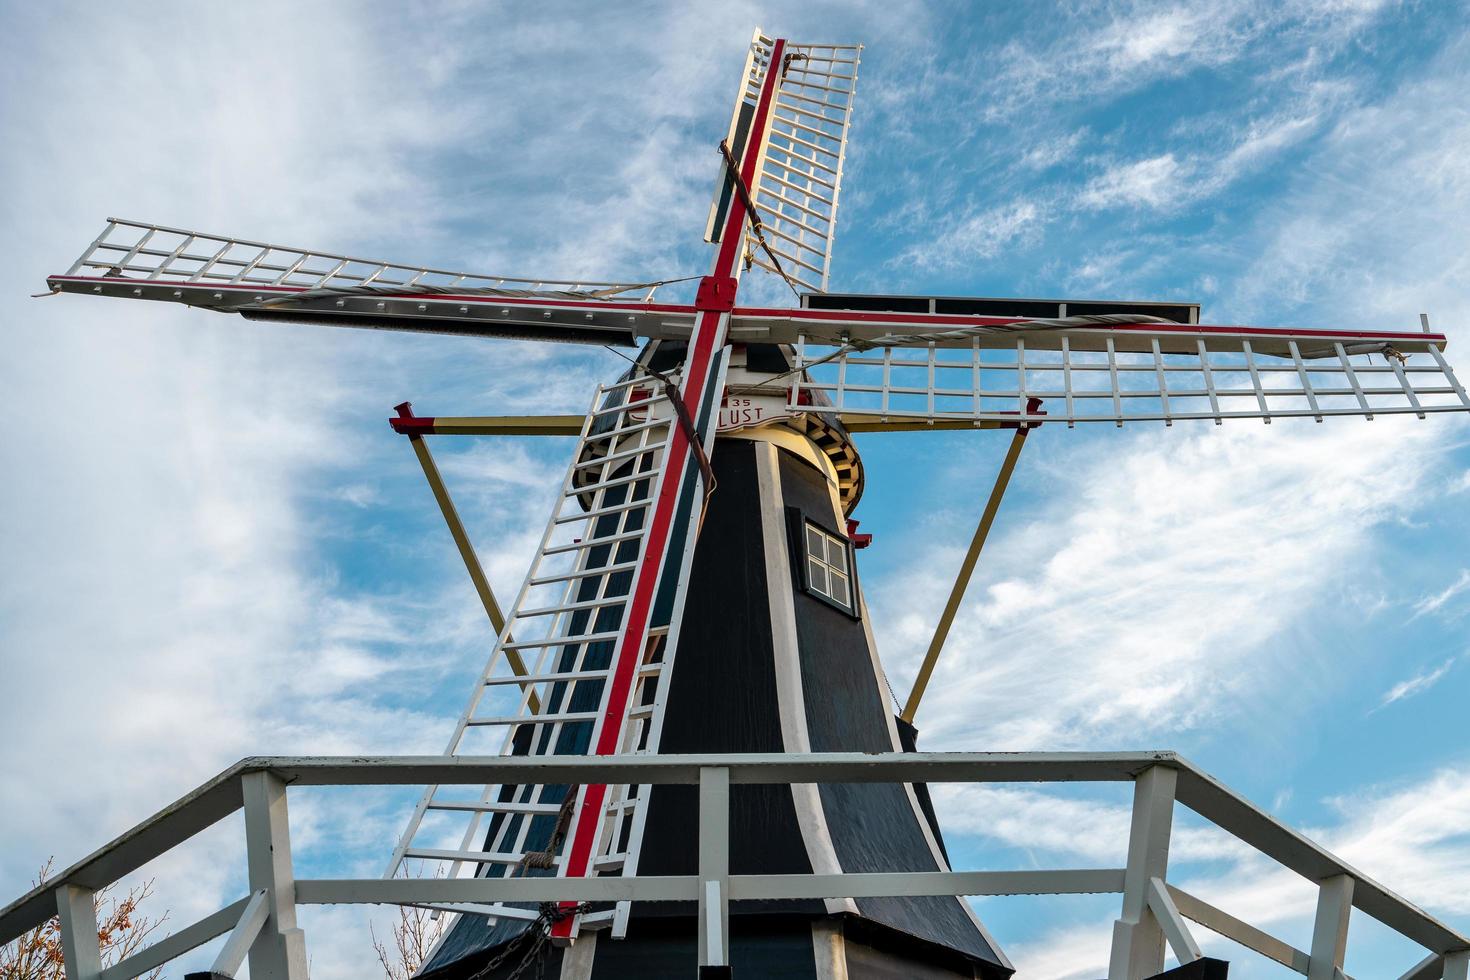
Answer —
754 216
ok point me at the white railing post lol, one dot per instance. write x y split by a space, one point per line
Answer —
279 950
714 870
1138 940
1457 965
1329 932
79 948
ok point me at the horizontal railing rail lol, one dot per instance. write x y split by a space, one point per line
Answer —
262 924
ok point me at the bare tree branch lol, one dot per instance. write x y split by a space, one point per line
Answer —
121 931
414 936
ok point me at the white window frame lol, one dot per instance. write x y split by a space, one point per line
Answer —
819 570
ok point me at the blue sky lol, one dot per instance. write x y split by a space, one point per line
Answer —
217 548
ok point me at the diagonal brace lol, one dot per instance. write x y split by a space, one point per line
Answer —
1161 904
967 567
466 550
232 954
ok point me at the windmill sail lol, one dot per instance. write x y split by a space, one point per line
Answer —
554 681
1090 361
1106 377
263 281
757 57
799 175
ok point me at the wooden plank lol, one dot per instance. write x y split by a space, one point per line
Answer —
1224 924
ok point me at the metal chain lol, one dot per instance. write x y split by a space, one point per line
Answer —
539 932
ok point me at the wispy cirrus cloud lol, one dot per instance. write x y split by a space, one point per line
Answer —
1154 183
1336 240
1435 604
1042 822
1049 120
1226 147
1103 50
1415 685
959 243
1108 591
1409 837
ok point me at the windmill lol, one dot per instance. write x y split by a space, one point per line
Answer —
695 588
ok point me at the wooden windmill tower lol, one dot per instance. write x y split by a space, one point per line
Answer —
695 589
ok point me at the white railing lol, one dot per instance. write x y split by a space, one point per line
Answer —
262 924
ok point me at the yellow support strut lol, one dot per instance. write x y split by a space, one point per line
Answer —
466 550
967 568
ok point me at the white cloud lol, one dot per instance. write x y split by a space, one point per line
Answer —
1166 182
168 591
1048 153
1275 84
1133 43
1436 602
1098 273
356 494
1150 599
1261 139
1410 838
1155 183
1346 236
1094 594
1047 823
1099 51
1009 227
1417 684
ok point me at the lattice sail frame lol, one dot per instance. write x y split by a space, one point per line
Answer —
546 684
797 185
1142 373
152 254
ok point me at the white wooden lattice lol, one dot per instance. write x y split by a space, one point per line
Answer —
1143 377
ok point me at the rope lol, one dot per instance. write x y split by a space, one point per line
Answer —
1062 323
754 216
1386 349
964 333
686 423
418 289
691 434
546 860
549 913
